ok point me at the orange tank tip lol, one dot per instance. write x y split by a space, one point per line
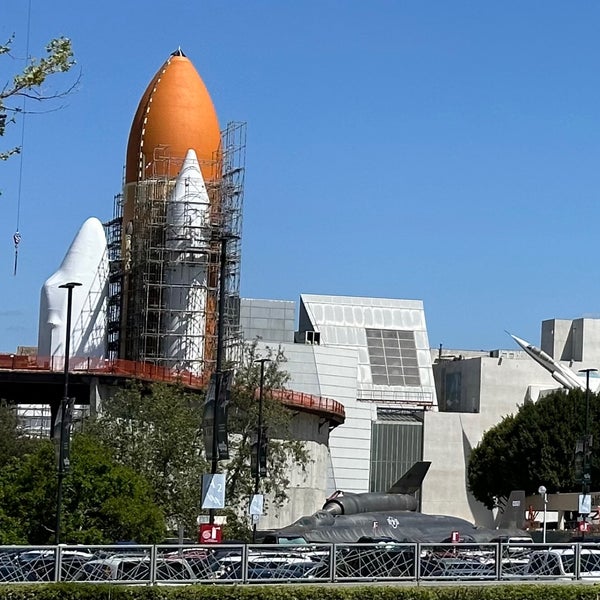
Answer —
175 114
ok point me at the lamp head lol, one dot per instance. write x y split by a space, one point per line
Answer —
70 285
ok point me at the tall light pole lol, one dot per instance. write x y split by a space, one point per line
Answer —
586 479
219 364
259 433
62 412
543 492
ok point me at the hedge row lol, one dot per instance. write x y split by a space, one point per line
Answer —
540 591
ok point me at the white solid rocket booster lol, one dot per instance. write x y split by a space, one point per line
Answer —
86 263
187 239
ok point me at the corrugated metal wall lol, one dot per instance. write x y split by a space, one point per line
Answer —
396 444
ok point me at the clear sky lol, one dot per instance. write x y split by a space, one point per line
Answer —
433 150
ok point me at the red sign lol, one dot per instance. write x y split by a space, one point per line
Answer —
210 534
455 537
584 527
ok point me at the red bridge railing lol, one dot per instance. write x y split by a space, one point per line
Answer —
146 371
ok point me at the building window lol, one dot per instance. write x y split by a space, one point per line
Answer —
393 357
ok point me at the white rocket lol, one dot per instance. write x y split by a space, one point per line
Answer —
187 239
562 374
86 263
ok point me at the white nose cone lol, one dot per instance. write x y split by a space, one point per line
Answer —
188 208
86 262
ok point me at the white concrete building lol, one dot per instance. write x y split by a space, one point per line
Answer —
373 356
476 390
370 354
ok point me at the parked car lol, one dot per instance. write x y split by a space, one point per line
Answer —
12 573
559 563
235 572
296 570
137 569
203 563
40 565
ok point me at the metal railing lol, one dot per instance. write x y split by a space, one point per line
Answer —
309 563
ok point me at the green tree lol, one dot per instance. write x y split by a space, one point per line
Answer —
103 502
14 440
285 454
534 446
156 430
29 82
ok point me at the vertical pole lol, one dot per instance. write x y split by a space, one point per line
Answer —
586 479
545 504
62 412
219 365
259 433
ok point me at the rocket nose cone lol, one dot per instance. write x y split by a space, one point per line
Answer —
174 113
520 341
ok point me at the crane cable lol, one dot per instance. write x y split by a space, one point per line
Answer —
17 234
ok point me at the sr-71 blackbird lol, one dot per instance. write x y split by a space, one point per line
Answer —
392 515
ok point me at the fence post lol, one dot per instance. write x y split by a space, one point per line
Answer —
57 564
153 555
332 562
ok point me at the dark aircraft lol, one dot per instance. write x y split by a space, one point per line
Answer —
348 518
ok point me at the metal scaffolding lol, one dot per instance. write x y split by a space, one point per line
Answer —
145 323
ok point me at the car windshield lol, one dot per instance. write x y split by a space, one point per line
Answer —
292 540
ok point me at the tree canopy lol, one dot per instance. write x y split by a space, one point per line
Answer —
535 446
137 467
29 82
284 452
14 440
156 431
103 502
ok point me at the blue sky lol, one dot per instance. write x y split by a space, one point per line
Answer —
433 150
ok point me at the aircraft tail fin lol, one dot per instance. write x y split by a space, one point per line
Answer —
411 481
513 511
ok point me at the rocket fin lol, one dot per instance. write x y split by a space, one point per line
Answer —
513 512
412 480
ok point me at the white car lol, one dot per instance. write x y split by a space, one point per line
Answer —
559 563
137 569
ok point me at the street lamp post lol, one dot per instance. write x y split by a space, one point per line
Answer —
259 434
62 412
586 479
219 365
543 492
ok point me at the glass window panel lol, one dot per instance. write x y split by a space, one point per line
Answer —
378 370
410 362
389 334
380 379
378 362
413 381
408 344
393 361
393 380
392 352
406 335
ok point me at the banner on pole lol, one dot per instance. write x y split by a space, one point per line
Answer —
213 490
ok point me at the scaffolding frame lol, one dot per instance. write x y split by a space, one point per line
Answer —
140 260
